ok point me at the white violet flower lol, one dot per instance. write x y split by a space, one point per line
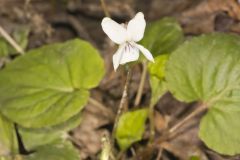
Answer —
127 37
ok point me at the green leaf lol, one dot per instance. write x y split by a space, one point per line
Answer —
163 36
130 127
220 128
49 85
11 157
157 77
4 50
8 139
207 69
158 87
157 69
58 151
33 138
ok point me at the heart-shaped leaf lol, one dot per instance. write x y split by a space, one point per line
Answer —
130 127
49 85
207 69
163 36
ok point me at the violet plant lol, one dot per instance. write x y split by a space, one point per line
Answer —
43 91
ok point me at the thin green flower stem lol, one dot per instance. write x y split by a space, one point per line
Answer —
104 7
11 41
141 85
122 102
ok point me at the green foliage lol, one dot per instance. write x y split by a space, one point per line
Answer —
194 158
162 36
57 151
4 48
157 69
158 88
220 128
157 77
207 69
33 138
8 140
130 127
49 85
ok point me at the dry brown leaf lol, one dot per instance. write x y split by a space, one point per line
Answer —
88 135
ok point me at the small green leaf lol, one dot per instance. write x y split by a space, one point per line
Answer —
163 36
57 151
130 127
8 139
207 69
47 86
195 158
157 77
158 68
158 87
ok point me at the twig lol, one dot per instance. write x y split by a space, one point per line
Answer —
104 7
11 40
122 102
159 154
200 108
133 151
172 149
141 85
102 107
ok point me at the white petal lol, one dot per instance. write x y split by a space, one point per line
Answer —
116 32
136 27
130 53
145 52
117 57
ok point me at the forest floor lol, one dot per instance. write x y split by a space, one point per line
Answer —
60 20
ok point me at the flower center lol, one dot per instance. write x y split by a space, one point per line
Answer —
129 47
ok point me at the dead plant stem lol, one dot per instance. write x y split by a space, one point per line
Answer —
11 41
200 108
